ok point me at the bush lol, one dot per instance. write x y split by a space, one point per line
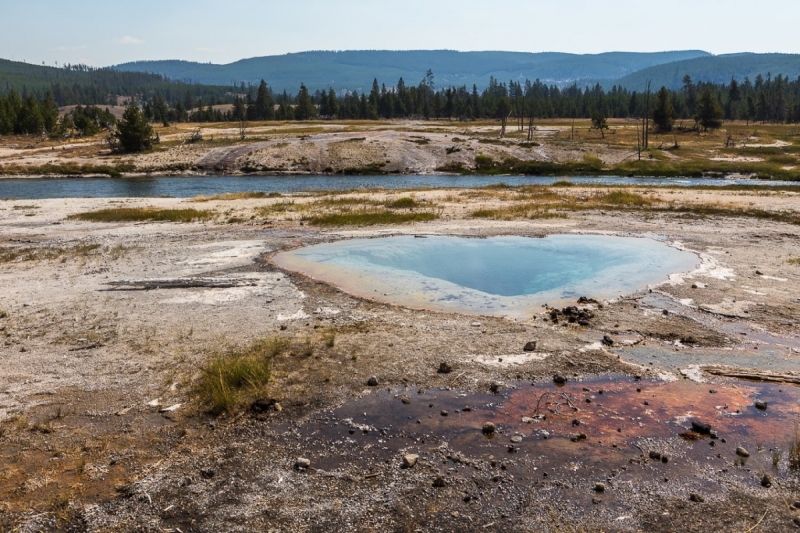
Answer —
134 133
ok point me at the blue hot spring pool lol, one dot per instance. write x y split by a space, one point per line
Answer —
502 276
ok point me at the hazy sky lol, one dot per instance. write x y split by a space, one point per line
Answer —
107 32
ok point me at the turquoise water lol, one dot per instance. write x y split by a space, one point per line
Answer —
506 276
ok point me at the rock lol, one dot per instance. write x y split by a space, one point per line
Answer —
796 505
284 327
577 438
405 399
444 368
796 522
664 459
596 501
23 349
476 324
701 427
262 405
655 456
761 405
372 381
488 428
742 452
301 463
586 300
444 413
759 273
516 439
530 346
599 487
607 341
410 460
170 409
207 473
696 498
494 387
559 379
694 286
439 482
766 481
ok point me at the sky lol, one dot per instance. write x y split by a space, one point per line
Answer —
102 33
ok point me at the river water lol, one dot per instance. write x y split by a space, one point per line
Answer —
189 187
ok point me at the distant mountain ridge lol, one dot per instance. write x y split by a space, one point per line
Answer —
355 70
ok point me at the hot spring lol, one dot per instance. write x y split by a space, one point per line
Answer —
501 276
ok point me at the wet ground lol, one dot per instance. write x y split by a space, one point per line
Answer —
629 434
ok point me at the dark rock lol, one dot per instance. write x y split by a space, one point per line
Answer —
444 368
607 341
577 438
701 428
284 327
796 505
444 413
207 473
766 481
372 381
488 428
761 405
664 459
599 487
263 405
494 387
405 399
796 522
759 273
696 498
585 300
301 463
665 312
655 456
559 379
530 346
439 482
742 452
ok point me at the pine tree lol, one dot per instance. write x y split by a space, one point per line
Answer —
663 112
134 133
305 109
709 112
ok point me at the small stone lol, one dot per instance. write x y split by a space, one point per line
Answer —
410 460
444 368
796 522
302 463
577 438
494 387
796 505
439 482
488 428
516 439
761 405
262 405
607 341
766 481
655 456
284 327
696 498
530 346
665 312
372 381
664 459
559 379
597 501
599 487
741 452
23 349
405 399
759 273
701 428
444 413
694 286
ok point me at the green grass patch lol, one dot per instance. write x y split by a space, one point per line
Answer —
406 202
624 198
237 196
563 183
67 169
370 217
794 261
231 378
143 214
12 254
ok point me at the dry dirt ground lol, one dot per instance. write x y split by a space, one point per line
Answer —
100 429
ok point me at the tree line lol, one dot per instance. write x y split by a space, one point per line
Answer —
766 99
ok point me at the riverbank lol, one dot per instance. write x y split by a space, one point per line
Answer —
104 338
419 147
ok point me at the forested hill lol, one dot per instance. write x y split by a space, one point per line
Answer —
355 70
715 69
79 84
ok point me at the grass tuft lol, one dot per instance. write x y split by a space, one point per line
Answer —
370 217
143 214
237 196
229 379
403 203
624 198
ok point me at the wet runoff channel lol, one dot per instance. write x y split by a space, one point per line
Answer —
597 441
191 186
